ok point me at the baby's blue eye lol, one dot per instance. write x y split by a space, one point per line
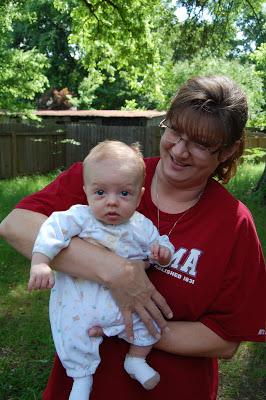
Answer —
124 193
99 192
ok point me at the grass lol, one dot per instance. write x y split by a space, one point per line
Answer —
242 186
244 376
26 348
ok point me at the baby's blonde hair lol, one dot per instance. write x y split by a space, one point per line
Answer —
116 150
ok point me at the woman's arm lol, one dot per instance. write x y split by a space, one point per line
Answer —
127 281
20 229
195 339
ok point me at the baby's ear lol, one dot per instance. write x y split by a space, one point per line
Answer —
141 193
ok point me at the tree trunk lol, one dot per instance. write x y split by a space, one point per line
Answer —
261 185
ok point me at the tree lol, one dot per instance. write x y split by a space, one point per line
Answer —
45 28
112 52
261 186
222 28
244 74
123 40
93 43
21 72
259 58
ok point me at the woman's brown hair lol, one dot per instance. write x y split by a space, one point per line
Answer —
212 110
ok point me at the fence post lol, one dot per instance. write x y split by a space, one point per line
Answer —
14 154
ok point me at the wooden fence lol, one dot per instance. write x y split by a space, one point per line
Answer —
88 136
255 138
58 142
25 149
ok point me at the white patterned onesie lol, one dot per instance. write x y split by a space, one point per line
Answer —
76 304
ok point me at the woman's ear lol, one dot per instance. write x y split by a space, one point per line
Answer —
227 153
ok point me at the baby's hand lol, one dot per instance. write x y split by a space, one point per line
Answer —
161 254
41 277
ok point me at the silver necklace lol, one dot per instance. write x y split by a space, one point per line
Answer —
158 210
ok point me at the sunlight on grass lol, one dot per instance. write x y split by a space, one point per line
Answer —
244 182
242 186
12 190
237 376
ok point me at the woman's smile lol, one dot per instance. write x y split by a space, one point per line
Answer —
177 163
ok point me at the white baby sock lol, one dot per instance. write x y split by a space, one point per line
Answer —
81 388
138 369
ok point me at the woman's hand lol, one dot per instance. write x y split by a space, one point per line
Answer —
134 292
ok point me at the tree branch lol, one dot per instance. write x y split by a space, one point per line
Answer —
91 8
111 3
253 10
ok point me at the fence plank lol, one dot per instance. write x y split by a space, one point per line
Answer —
14 154
25 151
83 137
5 156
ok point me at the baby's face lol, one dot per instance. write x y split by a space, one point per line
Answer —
113 190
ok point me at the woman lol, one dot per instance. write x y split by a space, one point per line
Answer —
215 286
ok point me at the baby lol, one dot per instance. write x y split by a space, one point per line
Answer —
113 182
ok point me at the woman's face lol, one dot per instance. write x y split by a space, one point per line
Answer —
180 166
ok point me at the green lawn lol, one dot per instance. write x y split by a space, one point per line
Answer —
26 349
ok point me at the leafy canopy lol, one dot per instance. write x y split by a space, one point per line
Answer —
21 72
113 54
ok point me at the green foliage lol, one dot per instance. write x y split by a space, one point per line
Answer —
259 120
243 186
87 88
124 39
113 53
216 25
254 155
130 105
21 72
244 74
25 67
45 28
259 58
251 23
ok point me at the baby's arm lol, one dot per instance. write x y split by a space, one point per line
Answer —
54 235
41 275
160 254
161 249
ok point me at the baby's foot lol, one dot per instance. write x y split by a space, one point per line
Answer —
138 369
81 388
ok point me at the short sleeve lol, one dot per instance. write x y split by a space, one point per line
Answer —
59 228
65 191
239 311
